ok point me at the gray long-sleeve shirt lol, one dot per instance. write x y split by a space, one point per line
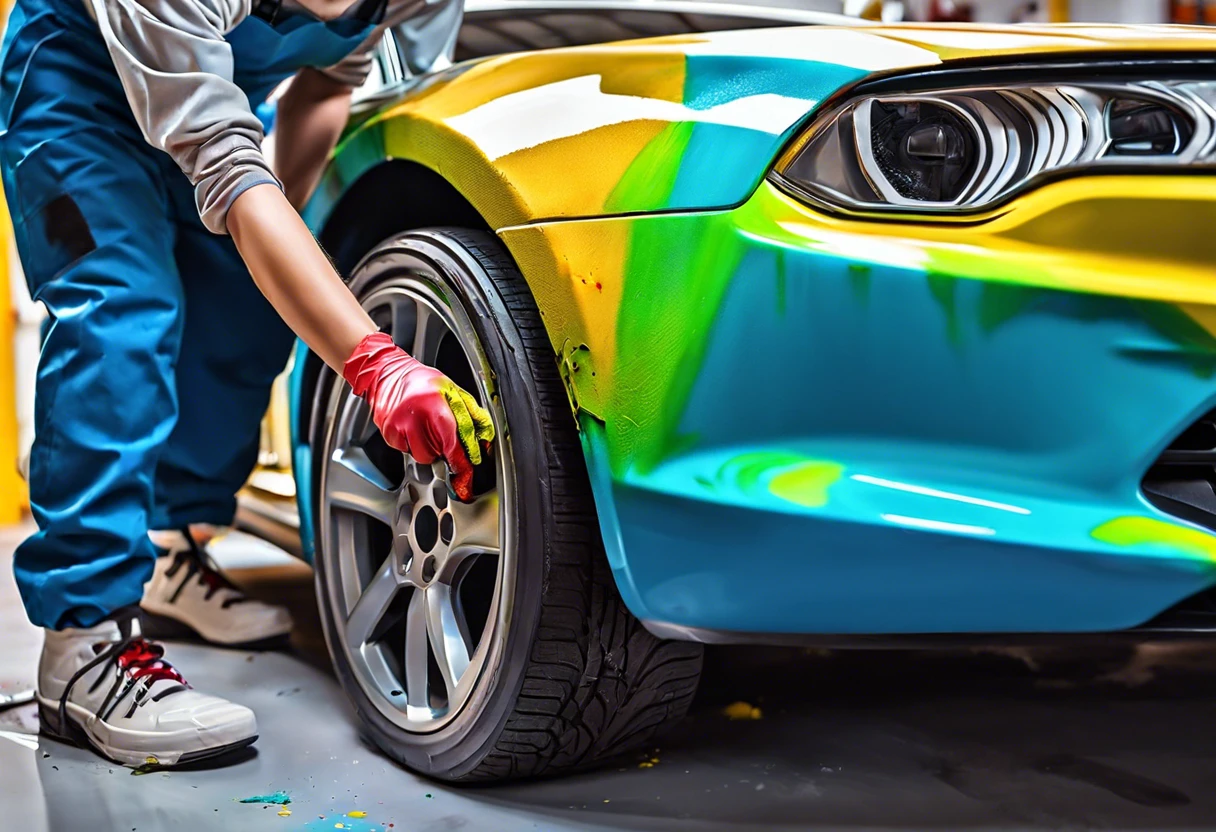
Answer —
176 69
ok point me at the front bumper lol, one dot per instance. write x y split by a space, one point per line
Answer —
798 423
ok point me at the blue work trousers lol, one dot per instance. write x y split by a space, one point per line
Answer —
157 364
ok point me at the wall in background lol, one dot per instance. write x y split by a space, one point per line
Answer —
1193 11
985 11
1097 11
1121 11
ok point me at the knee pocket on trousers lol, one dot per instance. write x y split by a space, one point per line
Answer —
70 199
60 234
52 235
66 229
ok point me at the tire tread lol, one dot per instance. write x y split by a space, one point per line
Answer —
598 684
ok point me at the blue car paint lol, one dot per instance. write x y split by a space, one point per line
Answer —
981 432
301 451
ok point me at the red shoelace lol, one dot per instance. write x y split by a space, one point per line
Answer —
213 578
204 566
145 659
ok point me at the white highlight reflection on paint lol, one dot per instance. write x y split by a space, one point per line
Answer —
933 492
575 106
937 525
883 251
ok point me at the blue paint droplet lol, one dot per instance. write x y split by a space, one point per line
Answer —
279 797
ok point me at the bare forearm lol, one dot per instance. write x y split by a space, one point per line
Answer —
308 122
297 278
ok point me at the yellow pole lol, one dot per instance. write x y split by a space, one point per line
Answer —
13 498
1058 11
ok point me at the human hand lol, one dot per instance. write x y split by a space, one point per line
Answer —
419 410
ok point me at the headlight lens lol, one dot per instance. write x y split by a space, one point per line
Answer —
926 152
1145 128
967 148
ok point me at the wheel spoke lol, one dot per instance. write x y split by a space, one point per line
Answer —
355 483
416 652
372 604
447 640
362 426
475 528
429 330
421 474
403 311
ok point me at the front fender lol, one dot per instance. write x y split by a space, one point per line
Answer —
688 123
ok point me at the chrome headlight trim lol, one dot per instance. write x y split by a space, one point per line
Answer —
1024 134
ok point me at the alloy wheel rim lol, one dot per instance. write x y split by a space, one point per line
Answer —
416 578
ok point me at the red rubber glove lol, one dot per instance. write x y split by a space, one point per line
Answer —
419 410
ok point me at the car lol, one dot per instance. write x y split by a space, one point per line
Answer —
836 334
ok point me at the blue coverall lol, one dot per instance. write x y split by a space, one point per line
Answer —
157 364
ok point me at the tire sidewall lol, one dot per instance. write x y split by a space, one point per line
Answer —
457 748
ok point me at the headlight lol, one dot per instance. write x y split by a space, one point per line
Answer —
967 148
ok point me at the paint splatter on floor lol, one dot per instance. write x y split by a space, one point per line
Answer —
345 823
278 797
150 765
741 710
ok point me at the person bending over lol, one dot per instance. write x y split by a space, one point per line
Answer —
142 203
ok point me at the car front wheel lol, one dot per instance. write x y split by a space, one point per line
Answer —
478 641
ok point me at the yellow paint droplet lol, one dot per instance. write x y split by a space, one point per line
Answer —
151 761
607 801
339 826
741 710
646 765
356 814
808 484
284 812
1166 537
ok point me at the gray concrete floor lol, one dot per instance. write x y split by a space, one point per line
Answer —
859 741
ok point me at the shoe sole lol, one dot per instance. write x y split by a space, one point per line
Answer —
73 734
162 627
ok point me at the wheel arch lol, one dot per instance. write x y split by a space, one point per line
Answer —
394 196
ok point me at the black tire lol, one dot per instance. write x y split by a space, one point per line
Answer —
580 680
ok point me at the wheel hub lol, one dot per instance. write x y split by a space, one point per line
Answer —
424 527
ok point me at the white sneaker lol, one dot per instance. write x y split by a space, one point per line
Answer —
109 688
187 589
